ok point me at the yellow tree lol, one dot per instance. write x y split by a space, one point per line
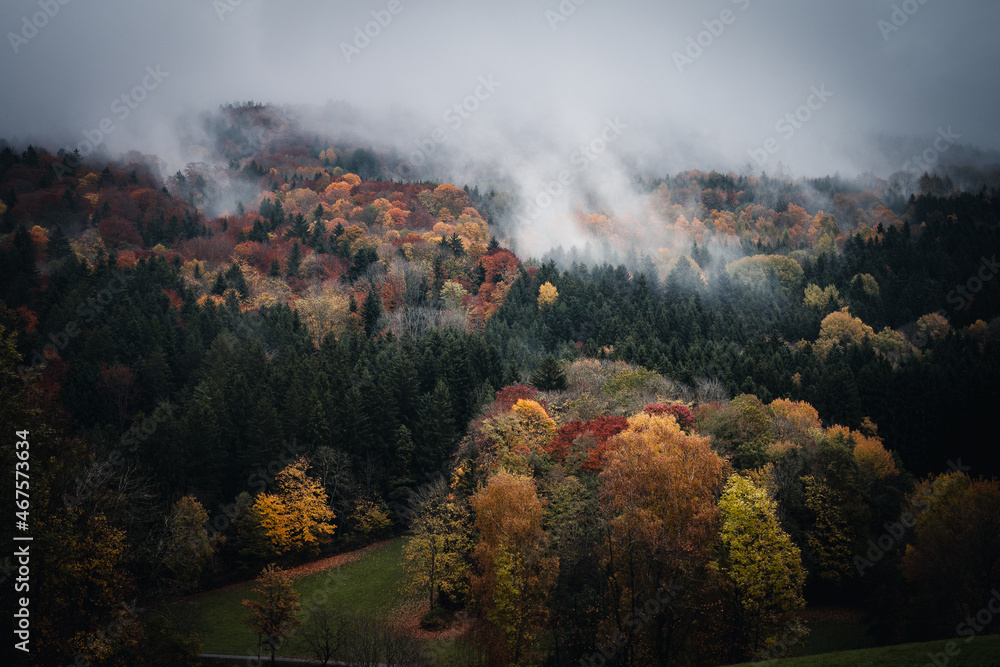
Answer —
825 300
436 556
513 575
840 328
547 296
658 493
758 270
761 562
296 517
515 441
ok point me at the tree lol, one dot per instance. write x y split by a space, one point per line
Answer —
517 439
761 562
823 301
371 312
758 270
296 517
294 259
374 642
547 296
658 493
436 556
549 376
829 540
59 245
513 573
273 614
742 429
300 228
951 567
325 632
839 328
370 517
187 548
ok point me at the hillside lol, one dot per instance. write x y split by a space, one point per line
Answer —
742 395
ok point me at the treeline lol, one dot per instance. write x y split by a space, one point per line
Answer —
759 331
589 525
246 381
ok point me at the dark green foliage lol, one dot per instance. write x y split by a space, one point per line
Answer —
549 376
371 312
294 259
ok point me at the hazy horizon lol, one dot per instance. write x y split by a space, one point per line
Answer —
523 92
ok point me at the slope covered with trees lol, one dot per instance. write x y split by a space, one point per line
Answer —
761 393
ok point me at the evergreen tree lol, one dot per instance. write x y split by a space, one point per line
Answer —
59 246
371 312
300 228
549 376
294 259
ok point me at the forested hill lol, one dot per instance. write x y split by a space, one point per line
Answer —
166 355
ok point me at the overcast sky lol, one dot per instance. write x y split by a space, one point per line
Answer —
685 84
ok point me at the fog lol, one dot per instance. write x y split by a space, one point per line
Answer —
522 92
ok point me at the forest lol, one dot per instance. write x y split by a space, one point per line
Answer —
747 397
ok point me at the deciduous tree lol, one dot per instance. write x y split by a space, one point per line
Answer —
762 563
513 575
273 612
296 517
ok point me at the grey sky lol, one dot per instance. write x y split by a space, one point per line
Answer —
559 83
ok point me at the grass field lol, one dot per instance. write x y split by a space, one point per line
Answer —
361 587
981 652
370 585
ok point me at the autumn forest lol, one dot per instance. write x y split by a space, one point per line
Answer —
748 399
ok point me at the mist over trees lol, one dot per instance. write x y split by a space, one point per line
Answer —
664 442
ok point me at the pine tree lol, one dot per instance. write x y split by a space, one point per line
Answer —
300 228
236 280
549 376
219 286
59 246
371 312
294 259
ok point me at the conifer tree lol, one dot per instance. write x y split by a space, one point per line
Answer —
549 376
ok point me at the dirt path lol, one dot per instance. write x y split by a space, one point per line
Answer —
320 565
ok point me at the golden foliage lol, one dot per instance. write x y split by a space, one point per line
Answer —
547 296
296 516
